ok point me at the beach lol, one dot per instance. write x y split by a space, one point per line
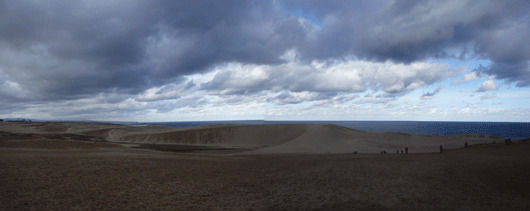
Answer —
87 166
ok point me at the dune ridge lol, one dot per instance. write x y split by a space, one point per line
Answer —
267 139
240 135
337 139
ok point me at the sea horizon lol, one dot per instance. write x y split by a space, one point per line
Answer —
511 130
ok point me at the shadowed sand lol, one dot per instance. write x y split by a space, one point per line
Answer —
75 166
267 139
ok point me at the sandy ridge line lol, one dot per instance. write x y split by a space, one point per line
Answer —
287 138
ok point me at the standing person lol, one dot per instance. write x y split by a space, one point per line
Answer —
397 151
406 150
441 149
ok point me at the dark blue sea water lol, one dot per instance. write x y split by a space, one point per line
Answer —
512 130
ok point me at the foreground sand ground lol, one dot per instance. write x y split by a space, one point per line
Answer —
54 171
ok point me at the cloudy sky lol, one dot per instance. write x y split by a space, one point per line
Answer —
136 60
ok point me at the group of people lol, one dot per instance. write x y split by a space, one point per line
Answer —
397 151
407 149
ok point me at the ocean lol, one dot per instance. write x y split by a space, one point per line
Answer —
512 130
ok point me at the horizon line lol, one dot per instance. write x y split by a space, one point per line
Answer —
241 120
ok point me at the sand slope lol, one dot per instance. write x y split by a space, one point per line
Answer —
288 138
336 139
232 135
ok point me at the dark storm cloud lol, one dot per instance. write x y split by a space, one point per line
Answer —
512 71
407 31
63 49
71 49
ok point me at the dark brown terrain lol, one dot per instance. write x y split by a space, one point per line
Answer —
83 172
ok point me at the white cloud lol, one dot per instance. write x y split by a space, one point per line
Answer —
497 103
488 85
393 79
473 104
170 91
12 89
467 77
374 100
297 97
487 96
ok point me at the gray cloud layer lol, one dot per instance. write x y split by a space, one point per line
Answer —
429 95
66 50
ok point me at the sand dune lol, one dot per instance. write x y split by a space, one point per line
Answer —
75 166
336 139
289 138
240 135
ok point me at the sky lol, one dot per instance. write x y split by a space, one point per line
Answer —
152 61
